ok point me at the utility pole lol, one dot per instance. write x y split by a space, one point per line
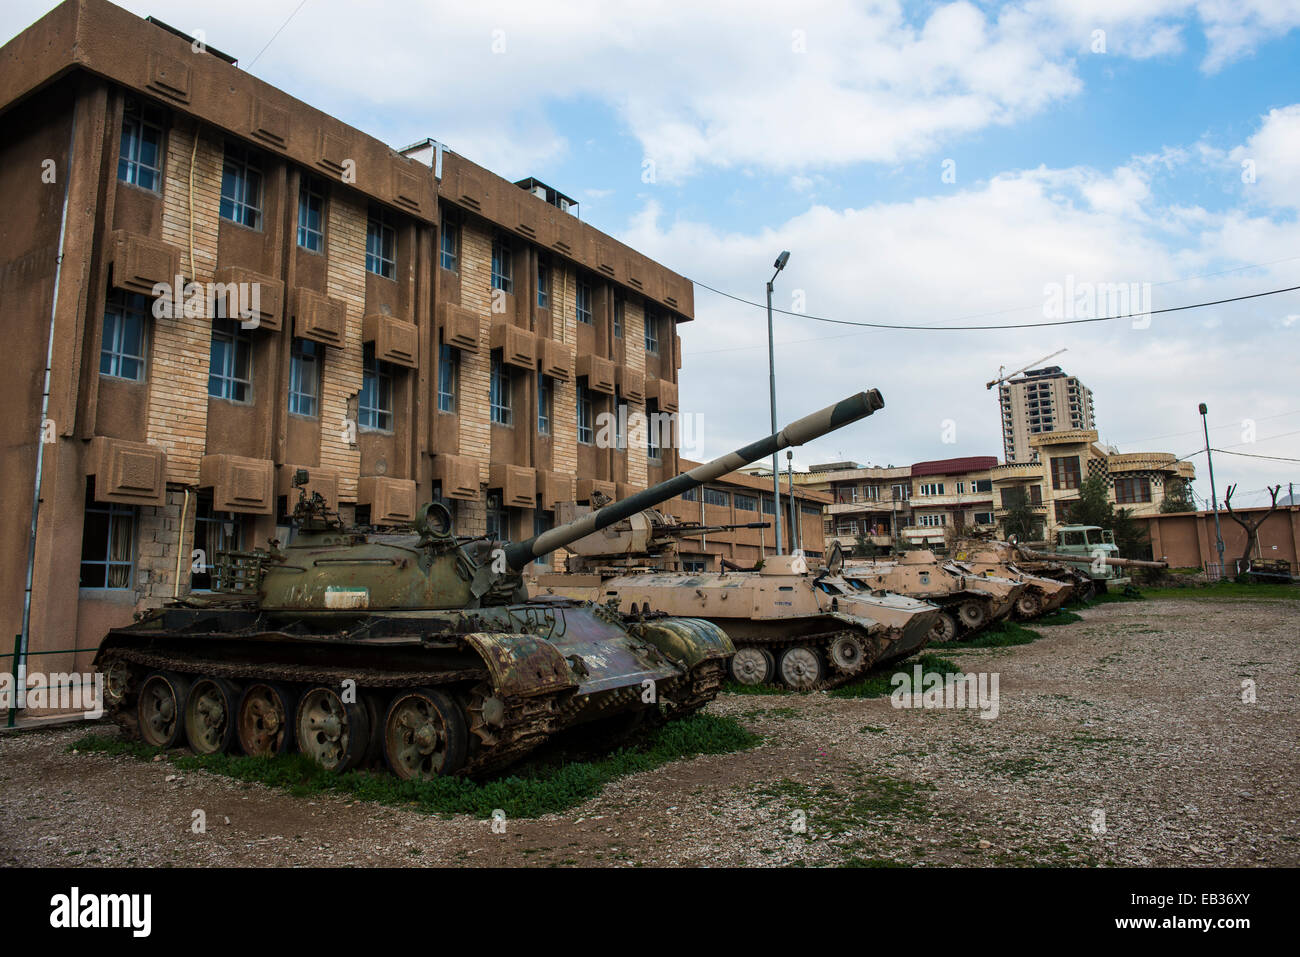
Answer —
781 260
1214 496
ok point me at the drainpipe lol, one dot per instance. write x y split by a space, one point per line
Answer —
20 661
180 543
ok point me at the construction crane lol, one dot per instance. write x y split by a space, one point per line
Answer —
1003 378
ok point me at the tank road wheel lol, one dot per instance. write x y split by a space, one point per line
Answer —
945 628
753 666
264 722
801 668
425 734
162 699
210 712
972 614
1029 605
332 732
847 654
117 682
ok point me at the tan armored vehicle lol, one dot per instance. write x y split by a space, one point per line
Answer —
800 627
967 601
1042 595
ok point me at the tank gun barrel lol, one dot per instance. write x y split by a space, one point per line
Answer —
1077 559
689 531
836 416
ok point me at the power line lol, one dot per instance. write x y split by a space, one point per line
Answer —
277 33
1256 455
1017 325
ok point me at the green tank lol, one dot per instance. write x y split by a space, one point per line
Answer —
420 652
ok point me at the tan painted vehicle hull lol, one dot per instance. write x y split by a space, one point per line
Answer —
1042 595
968 603
803 630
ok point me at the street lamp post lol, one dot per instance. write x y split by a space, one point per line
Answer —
781 260
795 542
1214 496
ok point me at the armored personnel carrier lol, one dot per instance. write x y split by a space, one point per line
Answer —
1042 595
425 654
967 602
1092 553
791 625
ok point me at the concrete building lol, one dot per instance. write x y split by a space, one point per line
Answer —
1187 539
1041 400
1062 459
233 285
740 498
909 505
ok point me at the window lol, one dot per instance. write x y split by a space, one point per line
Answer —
651 333
311 214
381 245
499 392
713 496
140 160
618 318
543 285
585 415
983 485
769 506
691 495
849 527
961 488
107 543
502 267
931 488
241 187
498 520
620 422
695 565
448 377
1065 472
214 532
1132 490
901 492
746 503
230 374
657 430
810 508
121 354
304 377
583 303
1063 509
932 521
450 259
544 392
871 493
983 518
375 407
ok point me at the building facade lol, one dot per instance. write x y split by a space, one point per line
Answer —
1049 484
1041 400
912 505
233 286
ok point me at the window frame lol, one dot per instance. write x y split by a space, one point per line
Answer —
545 404
119 306
500 392
503 266
381 232
234 335
543 285
1061 476
586 415
114 512
450 231
146 118
305 353
377 379
309 188
651 333
448 379
582 304
243 164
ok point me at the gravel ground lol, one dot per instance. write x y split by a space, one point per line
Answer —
1136 711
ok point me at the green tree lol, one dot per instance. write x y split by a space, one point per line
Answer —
863 547
1019 519
1130 535
1178 497
1093 506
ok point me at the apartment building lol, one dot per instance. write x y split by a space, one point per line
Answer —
232 286
910 505
1062 459
1040 401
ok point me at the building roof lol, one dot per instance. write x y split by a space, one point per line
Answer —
970 463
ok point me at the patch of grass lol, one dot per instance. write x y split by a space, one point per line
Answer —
874 799
1061 617
881 684
1003 634
1016 767
534 788
1229 591
871 729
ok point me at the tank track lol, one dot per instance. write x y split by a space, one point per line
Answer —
835 676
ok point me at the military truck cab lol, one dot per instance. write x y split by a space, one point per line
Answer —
1092 543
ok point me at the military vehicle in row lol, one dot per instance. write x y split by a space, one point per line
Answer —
1090 551
1042 595
967 601
425 654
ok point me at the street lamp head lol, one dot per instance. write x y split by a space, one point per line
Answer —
781 260
1204 408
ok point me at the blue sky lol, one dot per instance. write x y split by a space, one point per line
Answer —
824 129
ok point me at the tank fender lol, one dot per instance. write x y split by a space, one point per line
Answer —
686 641
522 664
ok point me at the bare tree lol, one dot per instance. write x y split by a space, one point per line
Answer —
1250 525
